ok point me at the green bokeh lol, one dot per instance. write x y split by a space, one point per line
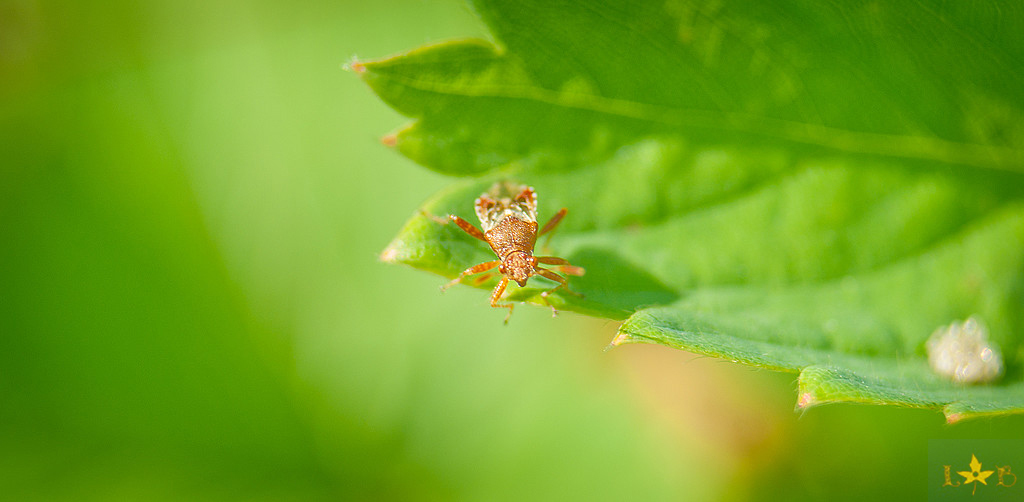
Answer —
192 199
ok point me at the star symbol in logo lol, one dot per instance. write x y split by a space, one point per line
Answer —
975 474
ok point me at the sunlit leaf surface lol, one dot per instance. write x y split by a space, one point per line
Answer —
795 186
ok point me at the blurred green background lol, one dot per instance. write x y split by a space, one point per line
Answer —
192 199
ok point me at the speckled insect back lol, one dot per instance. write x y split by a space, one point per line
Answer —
508 215
506 199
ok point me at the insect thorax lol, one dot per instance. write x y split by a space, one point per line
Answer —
512 235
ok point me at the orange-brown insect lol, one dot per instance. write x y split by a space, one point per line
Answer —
508 215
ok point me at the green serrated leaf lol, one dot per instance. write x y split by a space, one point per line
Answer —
789 185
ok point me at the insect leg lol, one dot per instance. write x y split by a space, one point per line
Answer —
563 265
480 279
498 290
468 227
475 269
437 219
563 283
463 224
553 222
550 225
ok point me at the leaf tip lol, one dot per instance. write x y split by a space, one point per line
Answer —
389 140
389 255
806 401
619 339
953 417
354 66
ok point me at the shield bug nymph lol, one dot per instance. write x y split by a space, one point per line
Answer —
508 215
